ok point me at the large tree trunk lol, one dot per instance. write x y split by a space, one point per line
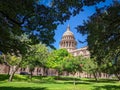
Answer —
58 74
32 69
37 71
43 73
11 75
74 79
117 75
13 69
8 73
31 75
13 72
94 74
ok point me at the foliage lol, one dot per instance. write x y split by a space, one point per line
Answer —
71 64
12 56
103 32
12 60
38 20
56 59
37 55
89 65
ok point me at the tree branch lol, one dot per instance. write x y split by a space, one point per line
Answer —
4 58
14 21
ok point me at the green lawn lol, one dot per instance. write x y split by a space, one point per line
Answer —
50 83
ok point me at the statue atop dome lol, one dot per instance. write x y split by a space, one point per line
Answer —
68 32
68 27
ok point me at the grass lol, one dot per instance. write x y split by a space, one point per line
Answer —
21 82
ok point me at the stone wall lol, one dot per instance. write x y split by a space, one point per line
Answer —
3 69
39 71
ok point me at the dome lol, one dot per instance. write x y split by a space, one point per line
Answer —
68 32
68 41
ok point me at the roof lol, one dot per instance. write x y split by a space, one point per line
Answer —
68 32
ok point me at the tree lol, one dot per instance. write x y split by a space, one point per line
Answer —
89 66
36 57
103 33
37 20
15 59
72 65
56 59
13 62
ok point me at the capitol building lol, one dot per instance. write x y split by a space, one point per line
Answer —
68 42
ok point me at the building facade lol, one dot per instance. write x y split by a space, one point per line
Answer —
68 42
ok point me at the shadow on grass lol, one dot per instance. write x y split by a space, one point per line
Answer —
107 87
63 82
22 88
102 81
20 77
3 77
72 82
37 77
16 77
57 78
66 78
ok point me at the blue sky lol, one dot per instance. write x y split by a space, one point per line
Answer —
74 22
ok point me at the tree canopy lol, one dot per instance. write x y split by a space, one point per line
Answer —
37 56
72 64
103 30
56 59
35 19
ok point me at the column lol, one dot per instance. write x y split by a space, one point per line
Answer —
69 44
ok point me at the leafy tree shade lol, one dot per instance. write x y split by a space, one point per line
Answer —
90 66
103 30
72 64
14 59
36 57
13 62
56 59
35 19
